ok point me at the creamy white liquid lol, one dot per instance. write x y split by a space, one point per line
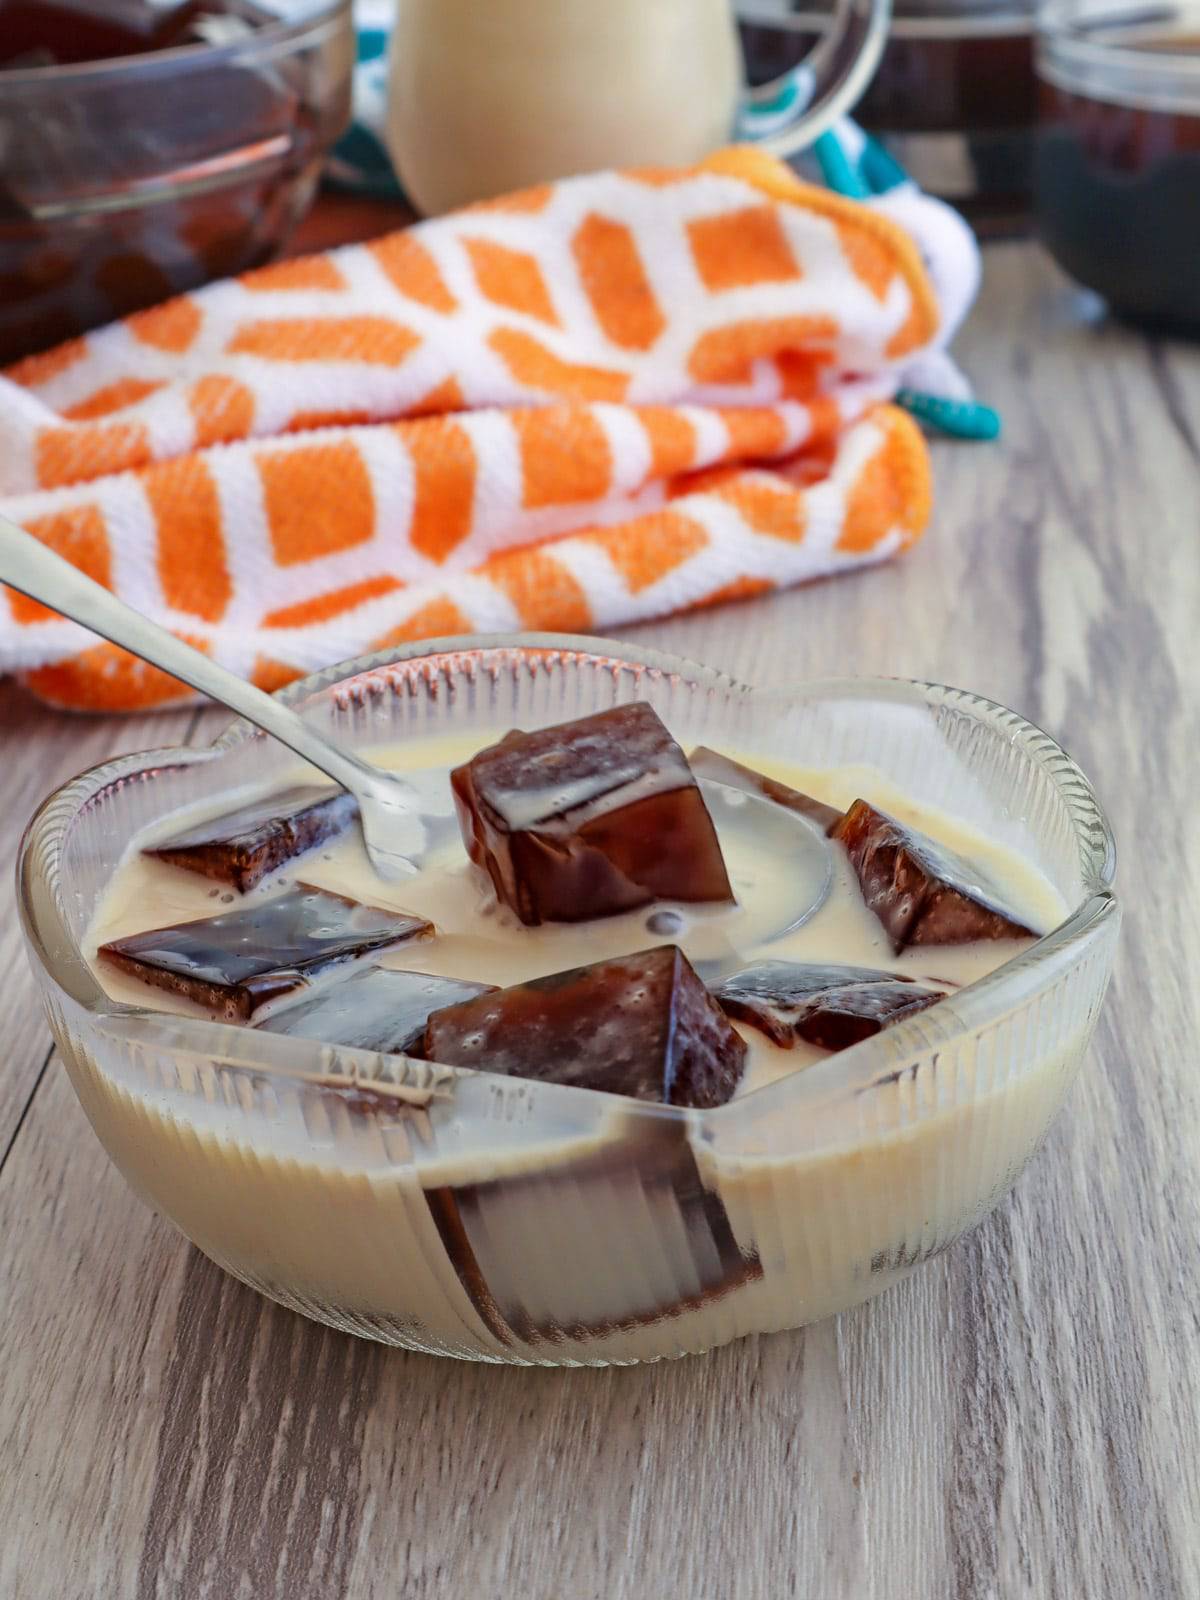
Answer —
479 941
345 1219
486 98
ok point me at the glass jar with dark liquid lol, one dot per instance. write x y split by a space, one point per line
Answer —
149 145
1118 161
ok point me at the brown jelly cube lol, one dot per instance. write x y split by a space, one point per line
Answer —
589 818
375 1010
706 763
921 892
642 1025
595 1207
833 1007
245 846
243 960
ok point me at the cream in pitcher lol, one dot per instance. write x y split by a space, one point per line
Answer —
485 98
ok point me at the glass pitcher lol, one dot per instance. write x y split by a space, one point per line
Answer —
487 96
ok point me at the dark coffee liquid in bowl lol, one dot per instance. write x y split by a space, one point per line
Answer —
1118 192
46 33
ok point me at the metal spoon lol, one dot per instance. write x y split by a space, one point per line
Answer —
800 848
392 827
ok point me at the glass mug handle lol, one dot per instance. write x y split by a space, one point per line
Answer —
793 111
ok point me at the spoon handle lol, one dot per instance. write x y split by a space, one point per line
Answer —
30 567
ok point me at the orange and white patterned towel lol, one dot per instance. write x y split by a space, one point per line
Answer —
620 396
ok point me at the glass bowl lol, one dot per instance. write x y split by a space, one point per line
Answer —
954 98
123 182
509 1220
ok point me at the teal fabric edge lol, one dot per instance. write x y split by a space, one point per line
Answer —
881 171
960 419
838 173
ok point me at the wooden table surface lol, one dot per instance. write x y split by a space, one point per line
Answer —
1019 1418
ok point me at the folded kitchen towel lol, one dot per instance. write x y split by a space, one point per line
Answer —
615 397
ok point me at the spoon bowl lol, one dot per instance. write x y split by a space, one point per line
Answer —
781 836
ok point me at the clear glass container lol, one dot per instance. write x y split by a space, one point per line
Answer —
954 98
517 1221
1118 163
125 181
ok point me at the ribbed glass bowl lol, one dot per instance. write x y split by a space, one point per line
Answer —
510 1220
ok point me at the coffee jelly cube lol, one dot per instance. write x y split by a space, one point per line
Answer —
257 956
242 848
642 1025
921 892
589 818
595 1207
832 1007
378 1010
711 764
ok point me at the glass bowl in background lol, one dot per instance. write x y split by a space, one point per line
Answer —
954 98
125 181
1118 162
510 1220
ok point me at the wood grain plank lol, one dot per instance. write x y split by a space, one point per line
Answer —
90 1285
1179 383
1020 1418
60 1277
43 749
